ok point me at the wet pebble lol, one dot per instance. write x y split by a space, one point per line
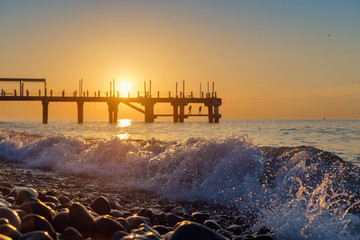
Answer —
4 237
80 217
35 206
200 217
135 221
106 227
162 229
36 235
10 231
11 216
61 221
25 193
4 203
101 206
194 231
235 229
173 219
212 225
64 199
71 233
32 222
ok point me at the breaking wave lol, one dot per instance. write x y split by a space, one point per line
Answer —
302 192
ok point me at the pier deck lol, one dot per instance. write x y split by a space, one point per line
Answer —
212 104
210 101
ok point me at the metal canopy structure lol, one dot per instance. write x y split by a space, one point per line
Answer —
22 80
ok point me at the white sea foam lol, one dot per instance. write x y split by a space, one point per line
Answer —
304 194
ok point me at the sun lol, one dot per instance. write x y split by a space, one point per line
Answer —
124 88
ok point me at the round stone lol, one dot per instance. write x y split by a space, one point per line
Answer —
61 221
51 199
10 231
39 208
3 237
32 222
64 199
135 221
4 203
36 235
116 213
80 218
173 219
194 231
160 218
101 206
146 213
123 222
119 235
212 225
235 229
71 233
4 221
24 193
200 217
106 227
11 216
162 229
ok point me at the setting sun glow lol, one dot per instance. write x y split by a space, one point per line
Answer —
124 87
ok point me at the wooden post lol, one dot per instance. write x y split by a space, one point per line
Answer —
149 112
150 88
182 113
113 87
216 114
110 113
45 105
115 119
80 105
176 113
210 113
183 88
110 89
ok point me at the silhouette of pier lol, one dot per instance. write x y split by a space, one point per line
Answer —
112 98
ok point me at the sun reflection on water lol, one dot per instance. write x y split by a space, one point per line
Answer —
123 136
124 123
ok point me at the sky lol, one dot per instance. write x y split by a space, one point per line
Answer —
269 59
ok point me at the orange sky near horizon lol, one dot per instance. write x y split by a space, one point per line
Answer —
268 59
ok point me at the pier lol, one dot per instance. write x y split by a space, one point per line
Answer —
209 100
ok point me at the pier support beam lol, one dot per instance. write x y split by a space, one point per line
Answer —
45 105
113 112
176 113
80 105
213 110
210 114
182 113
179 110
149 112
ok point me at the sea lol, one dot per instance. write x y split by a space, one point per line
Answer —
300 177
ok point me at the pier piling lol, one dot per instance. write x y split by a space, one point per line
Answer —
45 105
80 105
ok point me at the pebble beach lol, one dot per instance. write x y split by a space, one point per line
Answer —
36 204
